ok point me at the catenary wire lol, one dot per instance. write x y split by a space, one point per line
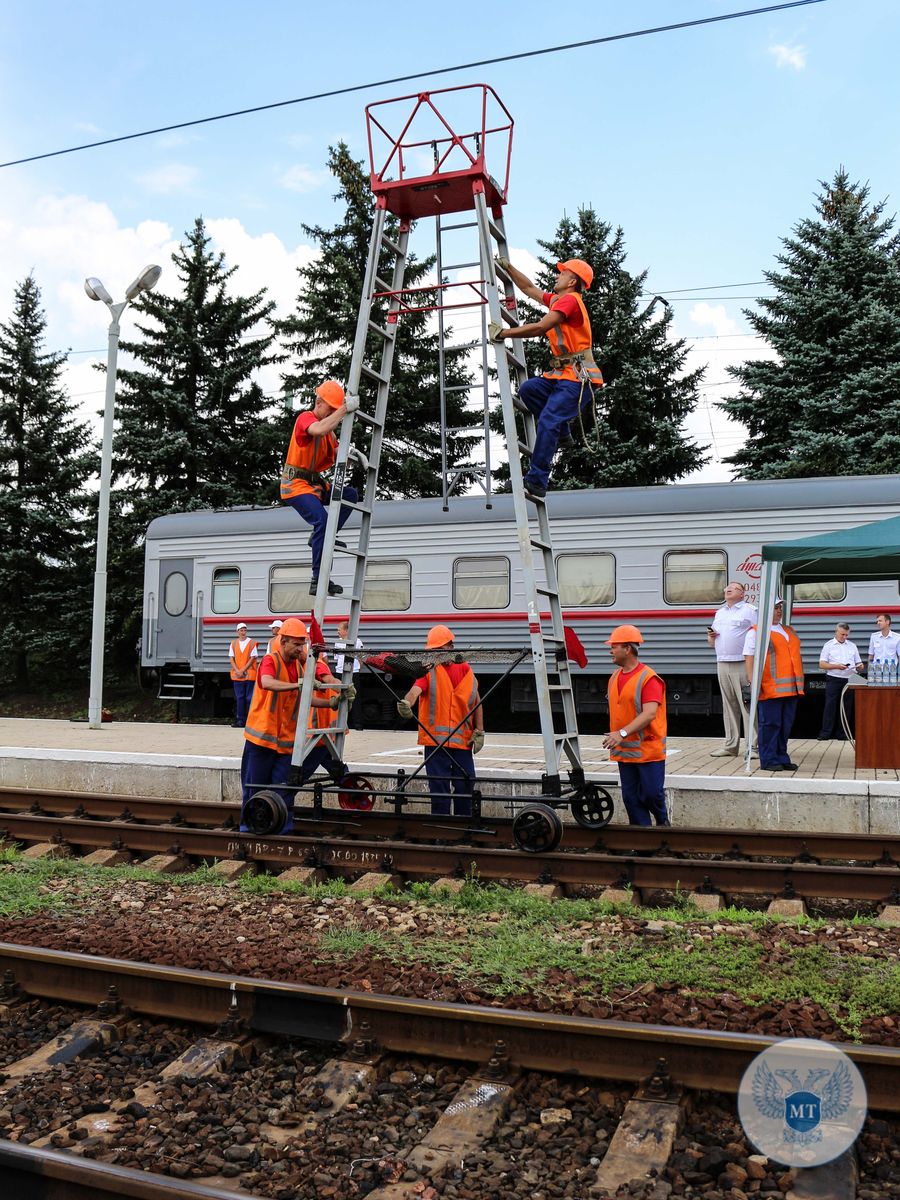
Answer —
361 87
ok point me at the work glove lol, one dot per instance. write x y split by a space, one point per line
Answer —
405 710
477 740
334 703
504 263
351 403
494 331
351 694
359 457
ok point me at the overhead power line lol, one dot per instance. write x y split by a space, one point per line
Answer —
361 87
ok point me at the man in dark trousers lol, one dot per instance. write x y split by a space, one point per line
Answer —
557 396
311 452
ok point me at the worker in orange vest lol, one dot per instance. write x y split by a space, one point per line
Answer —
557 396
779 691
451 727
311 452
242 654
637 729
272 721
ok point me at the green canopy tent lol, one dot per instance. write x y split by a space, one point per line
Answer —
870 551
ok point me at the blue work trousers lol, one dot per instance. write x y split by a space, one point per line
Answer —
450 772
555 402
776 718
314 512
644 792
243 694
265 768
832 725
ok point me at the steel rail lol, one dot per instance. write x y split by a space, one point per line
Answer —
492 831
53 1175
584 1046
346 857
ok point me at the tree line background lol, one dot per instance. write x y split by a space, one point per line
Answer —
195 430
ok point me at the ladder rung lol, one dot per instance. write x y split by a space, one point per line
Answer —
523 448
382 285
496 232
391 245
511 319
520 406
373 374
459 266
539 545
545 591
459 225
366 419
458 387
387 334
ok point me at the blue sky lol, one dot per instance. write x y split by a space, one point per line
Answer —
705 144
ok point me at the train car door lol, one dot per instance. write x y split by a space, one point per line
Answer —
175 621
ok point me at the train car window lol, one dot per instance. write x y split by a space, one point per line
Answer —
481 583
387 586
586 579
810 593
694 576
289 587
226 590
175 594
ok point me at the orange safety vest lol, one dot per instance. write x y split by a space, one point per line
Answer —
324 718
304 464
272 719
241 660
444 707
783 667
571 348
649 743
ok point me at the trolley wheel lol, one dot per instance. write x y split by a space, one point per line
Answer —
356 793
266 813
593 808
537 829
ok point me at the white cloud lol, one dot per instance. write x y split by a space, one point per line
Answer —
171 177
789 56
301 178
713 316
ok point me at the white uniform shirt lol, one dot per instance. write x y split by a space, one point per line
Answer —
884 647
841 652
731 624
242 642
750 639
339 659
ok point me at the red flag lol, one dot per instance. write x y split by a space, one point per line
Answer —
316 637
574 649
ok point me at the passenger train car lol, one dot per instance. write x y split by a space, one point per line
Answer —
656 556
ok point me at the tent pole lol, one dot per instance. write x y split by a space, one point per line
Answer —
770 574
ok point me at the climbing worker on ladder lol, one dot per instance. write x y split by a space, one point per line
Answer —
448 697
557 396
272 720
311 452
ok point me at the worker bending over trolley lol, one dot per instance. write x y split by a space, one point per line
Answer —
451 727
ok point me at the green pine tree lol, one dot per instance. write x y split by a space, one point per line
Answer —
195 429
631 434
830 403
320 337
46 457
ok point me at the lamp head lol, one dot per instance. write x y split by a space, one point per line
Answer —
147 279
96 290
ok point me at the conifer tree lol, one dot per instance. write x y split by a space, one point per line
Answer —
830 403
45 459
195 428
320 337
631 434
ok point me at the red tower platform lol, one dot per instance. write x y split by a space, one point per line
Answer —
411 134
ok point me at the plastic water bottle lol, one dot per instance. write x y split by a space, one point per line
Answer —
892 672
876 672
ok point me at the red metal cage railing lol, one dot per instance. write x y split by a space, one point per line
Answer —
411 186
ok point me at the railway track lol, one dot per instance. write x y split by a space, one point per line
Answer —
544 1097
864 869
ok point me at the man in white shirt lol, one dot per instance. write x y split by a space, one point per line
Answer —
354 719
883 644
726 634
840 661
272 643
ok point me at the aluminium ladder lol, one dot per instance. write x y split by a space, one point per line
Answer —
410 198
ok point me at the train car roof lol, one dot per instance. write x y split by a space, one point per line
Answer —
668 499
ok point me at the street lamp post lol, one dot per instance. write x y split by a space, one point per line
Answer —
95 289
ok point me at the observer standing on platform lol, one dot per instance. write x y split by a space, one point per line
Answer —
840 661
727 633
779 691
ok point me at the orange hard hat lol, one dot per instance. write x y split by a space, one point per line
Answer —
579 267
625 633
438 635
331 392
293 628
